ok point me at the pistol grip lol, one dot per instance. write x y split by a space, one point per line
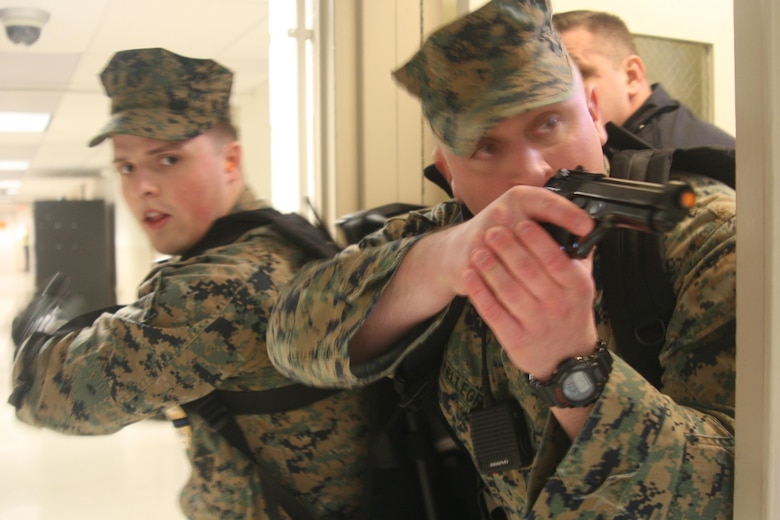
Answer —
572 244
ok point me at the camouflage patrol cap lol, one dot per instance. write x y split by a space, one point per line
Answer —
496 62
161 95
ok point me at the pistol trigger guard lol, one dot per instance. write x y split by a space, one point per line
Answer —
594 237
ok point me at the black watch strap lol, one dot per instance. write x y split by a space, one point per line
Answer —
577 381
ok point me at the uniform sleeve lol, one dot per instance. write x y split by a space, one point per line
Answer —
643 455
700 354
188 333
666 453
319 311
322 307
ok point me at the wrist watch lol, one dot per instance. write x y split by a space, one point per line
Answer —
577 381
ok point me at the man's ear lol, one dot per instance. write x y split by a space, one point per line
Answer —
636 79
592 98
232 156
441 163
440 160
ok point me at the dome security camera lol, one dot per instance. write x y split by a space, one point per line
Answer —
23 24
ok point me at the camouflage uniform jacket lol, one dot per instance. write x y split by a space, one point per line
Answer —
200 325
641 454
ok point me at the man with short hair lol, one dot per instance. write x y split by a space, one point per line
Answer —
509 109
199 322
605 52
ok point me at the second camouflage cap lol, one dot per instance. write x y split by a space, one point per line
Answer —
496 62
161 95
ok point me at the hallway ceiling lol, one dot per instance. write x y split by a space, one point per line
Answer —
59 74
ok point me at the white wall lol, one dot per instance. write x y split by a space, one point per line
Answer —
382 143
13 222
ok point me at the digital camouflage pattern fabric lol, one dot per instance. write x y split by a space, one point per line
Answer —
161 95
198 325
643 453
501 60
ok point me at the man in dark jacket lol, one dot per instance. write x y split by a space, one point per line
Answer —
606 55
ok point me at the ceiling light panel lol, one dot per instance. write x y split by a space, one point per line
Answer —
24 122
14 166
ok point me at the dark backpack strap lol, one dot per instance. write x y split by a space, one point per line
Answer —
217 415
432 173
717 162
419 371
618 138
638 294
227 229
86 320
314 241
275 400
637 291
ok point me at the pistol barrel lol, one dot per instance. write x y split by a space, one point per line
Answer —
643 206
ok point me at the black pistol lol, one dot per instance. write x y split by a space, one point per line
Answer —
618 203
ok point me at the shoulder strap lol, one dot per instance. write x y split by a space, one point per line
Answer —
618 138
315 242
418 371
717 162
714 161
637 291
212 410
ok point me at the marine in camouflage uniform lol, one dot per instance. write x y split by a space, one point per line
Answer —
199 324
638 452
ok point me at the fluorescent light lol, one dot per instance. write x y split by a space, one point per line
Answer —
23 121
14 166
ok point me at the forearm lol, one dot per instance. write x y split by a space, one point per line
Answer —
59 381
419 289
319 311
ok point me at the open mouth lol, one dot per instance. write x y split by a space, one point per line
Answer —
155 219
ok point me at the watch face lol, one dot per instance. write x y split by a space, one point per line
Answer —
578 386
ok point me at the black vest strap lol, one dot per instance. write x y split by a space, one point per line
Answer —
275 400
314 241
637 291
219 417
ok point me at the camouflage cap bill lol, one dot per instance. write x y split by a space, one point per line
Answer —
496 62
161 95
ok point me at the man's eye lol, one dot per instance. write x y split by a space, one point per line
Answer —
124 169
168 160
549 123
485 149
